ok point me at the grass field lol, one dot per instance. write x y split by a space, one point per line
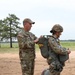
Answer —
5 47
70 45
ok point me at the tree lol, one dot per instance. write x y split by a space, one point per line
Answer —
1 29
10 27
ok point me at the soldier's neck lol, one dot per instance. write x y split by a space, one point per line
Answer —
55 36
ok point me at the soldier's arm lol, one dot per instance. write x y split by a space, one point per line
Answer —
56 47
36 39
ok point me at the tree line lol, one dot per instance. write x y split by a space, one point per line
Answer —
9 28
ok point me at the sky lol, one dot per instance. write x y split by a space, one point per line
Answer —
45 14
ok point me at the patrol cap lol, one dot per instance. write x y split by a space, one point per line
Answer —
28 20
57 28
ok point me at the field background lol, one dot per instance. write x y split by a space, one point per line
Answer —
5 47
10 64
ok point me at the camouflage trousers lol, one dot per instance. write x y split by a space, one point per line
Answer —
53 71
27 67
55 68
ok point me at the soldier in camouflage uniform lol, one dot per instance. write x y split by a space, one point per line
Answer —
26 41
55 66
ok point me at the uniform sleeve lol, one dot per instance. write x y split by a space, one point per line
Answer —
33 36
24 42
56 47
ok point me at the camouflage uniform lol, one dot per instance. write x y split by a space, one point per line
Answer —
27 52
55 66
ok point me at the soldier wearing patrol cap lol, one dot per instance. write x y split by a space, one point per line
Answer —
55 65
26 41
28 20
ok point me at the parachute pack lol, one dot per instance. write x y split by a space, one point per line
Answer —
43 45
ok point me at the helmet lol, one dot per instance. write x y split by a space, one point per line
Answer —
57 28
46 72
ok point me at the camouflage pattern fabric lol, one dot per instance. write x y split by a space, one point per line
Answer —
56 47
26 51
55 66
27 66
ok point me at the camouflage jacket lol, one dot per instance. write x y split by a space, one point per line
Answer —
54 44
26 44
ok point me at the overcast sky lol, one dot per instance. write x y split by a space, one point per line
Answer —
45 13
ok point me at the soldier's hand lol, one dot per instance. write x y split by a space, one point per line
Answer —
41 36
36 40
68 51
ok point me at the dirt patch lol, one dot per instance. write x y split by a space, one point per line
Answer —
10 64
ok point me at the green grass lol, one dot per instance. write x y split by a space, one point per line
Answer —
70 45
5 47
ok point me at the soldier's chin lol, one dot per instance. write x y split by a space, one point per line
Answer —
29 29
58 37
